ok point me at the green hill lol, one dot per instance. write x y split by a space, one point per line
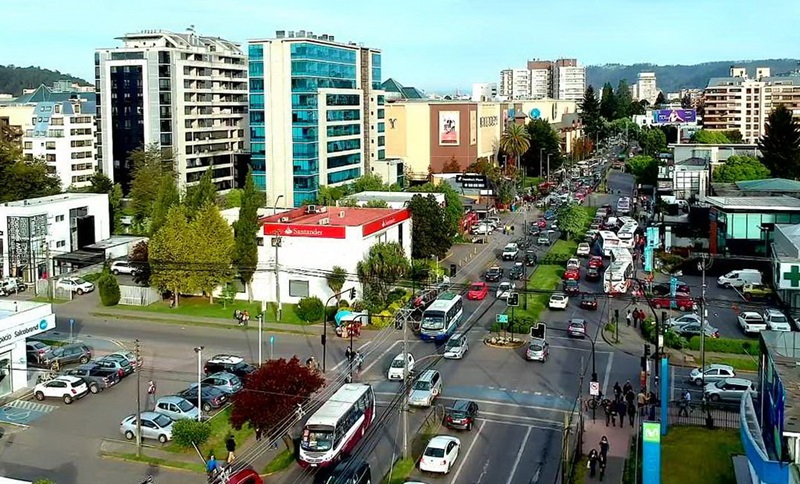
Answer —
14 79
675 77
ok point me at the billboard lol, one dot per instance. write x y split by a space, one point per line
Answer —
674 116
449 128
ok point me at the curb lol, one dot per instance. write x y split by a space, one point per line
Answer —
163 463
614 345
101 314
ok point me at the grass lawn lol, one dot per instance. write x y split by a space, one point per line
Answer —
400 471
220 428
280 462
744 364
199 307
532 181
155 461
404 467
563 249
542 282
45 299
92 276
711 466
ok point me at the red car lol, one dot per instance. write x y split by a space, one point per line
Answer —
478 291
572 275
541 223
245 476
683 301
596 261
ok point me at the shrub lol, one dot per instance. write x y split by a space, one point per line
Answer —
310 309
44 481
725 345
108 288
92 276
184 432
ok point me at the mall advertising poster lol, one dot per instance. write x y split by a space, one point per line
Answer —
674 116
449 127
473 128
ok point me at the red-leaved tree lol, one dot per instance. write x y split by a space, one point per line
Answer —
272 393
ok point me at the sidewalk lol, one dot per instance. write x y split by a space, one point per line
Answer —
619 440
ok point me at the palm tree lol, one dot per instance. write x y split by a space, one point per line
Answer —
515 141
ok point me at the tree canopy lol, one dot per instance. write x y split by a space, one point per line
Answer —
740 168
272 393
705 136
213 249
245 252
453 210
202 193
544 141
780 144
172 253
653 141
24 179
336 279
150 167
515 141
428 218
608 102
384 265
572 219
644 168
590 113
166 197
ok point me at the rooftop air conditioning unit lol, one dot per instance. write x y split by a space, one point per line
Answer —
284 220
342 213
324 221
311 209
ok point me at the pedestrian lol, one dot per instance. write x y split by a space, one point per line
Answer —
608 410
211 466
230 446
237 315
604 446
652 415
617 391
258 433
621 411
348 353
602 463
592 464
686 400
631 412
641 400
151 394
629 317
627 387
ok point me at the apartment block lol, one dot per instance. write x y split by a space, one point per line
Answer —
646 87
185 92
543 79
316 113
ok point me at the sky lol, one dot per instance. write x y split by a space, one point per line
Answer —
435 45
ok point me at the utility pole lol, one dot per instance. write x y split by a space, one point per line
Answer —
541 158
703 317
548 167
404 407
276 241
137 352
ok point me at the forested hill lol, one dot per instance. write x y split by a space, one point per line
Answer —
14 79
676 77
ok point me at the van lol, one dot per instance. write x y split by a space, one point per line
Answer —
739 278
425 389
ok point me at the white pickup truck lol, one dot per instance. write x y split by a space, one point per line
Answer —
510 252
751 322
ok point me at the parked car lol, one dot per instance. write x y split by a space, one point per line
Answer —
64 355
558 301
683 302
713 373
230 363
503 290
576 328
75 284
425 390
177 408
128 355
456 346
751 322
776 320
126 358
154 426
398 366
664 289
537 350
683 319
122 267
211 398
493 274
477 291
440 454
35 350
588 301
739 278
227 382
67 388
482 229
97 377
461 415
121 365
729 389
583 249
11 285
752 290
688 330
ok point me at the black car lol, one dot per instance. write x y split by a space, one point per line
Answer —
63 355
493 274
461 415
571 287
530 258
229 363
211 397
350 471
534 230
97 378
517 272
592 274
588 301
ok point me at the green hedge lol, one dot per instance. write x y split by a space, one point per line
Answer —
186 432
725 345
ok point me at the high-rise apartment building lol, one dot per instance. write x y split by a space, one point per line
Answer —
183 91
560 79
737 103
515 84
316 113
569 80
646 87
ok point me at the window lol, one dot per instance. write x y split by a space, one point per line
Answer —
298 288
60 243
59 218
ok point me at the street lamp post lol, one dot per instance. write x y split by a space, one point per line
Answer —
260 329
541 158
325 326
548 167
277 244
199 351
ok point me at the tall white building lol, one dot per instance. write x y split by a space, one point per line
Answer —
484 91
183 91
62 133
316 113
541 79
646 87
569 80
515 84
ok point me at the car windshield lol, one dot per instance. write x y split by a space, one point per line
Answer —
434 452
317 440
536 347
476 287
453 343
720 384
398 363
184 405
79 281
162 420
422 385
777 318
433 320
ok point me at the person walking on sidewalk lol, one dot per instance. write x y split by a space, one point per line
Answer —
602 463
621 411
631 410
151 394
617 391
230 446
592 464
629 318
627 387
604 446
641 401
686 400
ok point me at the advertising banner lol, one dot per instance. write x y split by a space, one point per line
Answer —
387 221
674 116
301 230
651 453
449 128
473 128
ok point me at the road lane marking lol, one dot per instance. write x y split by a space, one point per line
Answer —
374 361
581 349
608 373
469 450
491 402
519 456
553 428
505 415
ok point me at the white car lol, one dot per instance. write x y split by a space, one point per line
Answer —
573 263
583 250
685 319
75 284
154 426
398 367
440 454
456 347
503 290
558 301
776 320
482 229
122 267
67 388
751 322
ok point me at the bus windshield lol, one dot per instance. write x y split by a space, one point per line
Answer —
433 320
318 439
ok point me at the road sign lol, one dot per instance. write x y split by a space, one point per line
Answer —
594 389
502 318
271 339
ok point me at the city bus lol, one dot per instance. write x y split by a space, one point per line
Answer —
441 318
621 255
626 236
616 279
608 241
337 426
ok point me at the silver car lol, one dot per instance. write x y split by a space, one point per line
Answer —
226 382
713 373
176 408
731 389
425 389
154 426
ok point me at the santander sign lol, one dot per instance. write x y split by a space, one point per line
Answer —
299 230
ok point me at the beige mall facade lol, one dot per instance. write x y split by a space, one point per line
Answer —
428 134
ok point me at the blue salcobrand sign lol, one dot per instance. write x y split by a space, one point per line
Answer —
43 324
535 113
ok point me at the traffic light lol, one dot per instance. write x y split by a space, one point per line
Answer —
513 299
646 350
353 293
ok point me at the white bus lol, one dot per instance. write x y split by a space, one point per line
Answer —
621 255
337 426
608 241
616 278
629 221
441 318
626 236
624 205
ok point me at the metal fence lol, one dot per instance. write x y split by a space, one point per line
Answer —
138 295
700 415
572 452
48 288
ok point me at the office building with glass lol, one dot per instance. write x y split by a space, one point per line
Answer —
316 113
